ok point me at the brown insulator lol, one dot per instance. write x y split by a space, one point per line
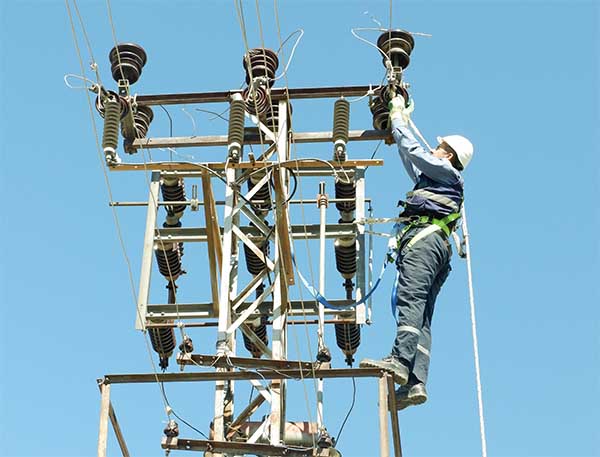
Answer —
163 343
261 332
254 264
271 116
381 114
127 61
347 337
345 190
261 63
256 100
386 93
173 190
397 45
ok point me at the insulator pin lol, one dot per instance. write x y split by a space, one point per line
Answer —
347 337
261 63
163 343
341 124
127 61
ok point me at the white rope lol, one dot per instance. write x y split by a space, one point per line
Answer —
472 310
474 332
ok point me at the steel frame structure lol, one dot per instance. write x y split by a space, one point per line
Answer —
230 308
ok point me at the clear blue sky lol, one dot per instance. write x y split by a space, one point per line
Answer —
520 78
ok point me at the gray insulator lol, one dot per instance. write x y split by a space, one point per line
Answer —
341 124
254 264
168 258
347 337
345 256
163 343
110 136
173 190
345 190
235 135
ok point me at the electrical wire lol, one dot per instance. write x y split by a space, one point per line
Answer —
337 438
109 190
162 387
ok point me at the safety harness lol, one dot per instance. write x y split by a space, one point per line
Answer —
431 224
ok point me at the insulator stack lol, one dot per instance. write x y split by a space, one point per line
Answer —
256 100
141 122
127 61
346 190
397 45
347 337
163 343
235 136
345 256
271 116
381 114
173 190
387 93
261 332
341 124
261 63
263 195
168 258
254 264
108 95
110 136
142 119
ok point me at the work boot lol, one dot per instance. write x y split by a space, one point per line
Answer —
410 395
389 364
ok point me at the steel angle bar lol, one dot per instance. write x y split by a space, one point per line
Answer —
295 374
263 128
276 93
243 362
262 390
256 341
251 287
248 311
255 188
245 415
248 242
252 136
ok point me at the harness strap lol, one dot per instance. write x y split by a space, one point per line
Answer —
435 225
441 199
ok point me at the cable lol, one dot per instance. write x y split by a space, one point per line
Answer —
337 438
292 53
474 333
162 387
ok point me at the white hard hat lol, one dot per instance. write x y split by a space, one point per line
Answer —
460 145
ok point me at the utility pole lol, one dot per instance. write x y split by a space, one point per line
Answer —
255 226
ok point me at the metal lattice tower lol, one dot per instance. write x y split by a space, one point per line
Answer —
242 230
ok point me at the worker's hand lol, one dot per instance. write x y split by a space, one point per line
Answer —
399 110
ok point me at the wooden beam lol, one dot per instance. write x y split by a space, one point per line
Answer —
213 238
283 231
394 415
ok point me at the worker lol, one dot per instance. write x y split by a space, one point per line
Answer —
431 212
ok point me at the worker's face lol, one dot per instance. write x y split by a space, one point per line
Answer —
442 151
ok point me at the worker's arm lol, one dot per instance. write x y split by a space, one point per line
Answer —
416 160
